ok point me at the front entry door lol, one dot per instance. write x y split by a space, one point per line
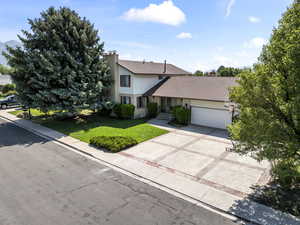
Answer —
165 104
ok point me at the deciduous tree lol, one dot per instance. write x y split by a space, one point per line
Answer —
199 73
269 101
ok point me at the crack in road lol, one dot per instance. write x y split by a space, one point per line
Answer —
78 188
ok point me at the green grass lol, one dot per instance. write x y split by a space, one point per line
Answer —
39 115
4 95
88 126
34 112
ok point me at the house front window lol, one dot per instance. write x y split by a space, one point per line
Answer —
125 100
125 81
140 102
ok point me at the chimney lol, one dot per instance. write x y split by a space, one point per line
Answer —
112 59
165 66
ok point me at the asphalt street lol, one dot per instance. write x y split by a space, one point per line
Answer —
42 183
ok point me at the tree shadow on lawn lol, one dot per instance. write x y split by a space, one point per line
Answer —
86 123
271 195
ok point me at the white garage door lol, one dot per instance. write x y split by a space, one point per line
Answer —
210 117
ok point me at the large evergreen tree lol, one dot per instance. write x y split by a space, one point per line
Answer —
5 70
269 101
60 65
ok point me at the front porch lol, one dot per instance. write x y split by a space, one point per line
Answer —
165 104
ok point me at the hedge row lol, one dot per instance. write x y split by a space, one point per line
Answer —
113 143
124 111
152 108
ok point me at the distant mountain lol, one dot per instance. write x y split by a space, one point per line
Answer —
11 43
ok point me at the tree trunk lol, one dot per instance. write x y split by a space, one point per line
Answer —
29 112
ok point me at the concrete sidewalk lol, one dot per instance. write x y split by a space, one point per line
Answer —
144 161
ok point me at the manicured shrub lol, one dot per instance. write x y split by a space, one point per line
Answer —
113 143
105 108
127 111
152 108
117 110
174 109
181 115
124 111
8 87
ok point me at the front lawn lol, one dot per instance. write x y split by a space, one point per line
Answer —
90 125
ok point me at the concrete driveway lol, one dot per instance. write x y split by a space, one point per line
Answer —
200 154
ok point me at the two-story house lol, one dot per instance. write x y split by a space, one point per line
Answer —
132 79
140 82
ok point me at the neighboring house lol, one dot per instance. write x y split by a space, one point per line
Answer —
140 82
5 79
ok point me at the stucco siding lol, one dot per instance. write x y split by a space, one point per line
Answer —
207 104
142 83
139 112
126 90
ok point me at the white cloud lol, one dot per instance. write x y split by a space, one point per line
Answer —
220 48
166 13
229 7
216 61
238 59
256 42
254 19
242 53
225 61
184 35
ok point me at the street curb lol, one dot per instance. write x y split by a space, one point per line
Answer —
233 217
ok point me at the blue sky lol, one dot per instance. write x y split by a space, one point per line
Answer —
194 34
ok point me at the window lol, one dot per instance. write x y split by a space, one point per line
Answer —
125 100
124 80
140 102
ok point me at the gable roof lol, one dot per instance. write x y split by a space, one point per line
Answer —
192 87
151 68
152 90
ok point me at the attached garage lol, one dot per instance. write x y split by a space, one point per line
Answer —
217 118
207 97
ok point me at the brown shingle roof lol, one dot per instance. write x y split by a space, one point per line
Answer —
151 68
151 91
192 87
